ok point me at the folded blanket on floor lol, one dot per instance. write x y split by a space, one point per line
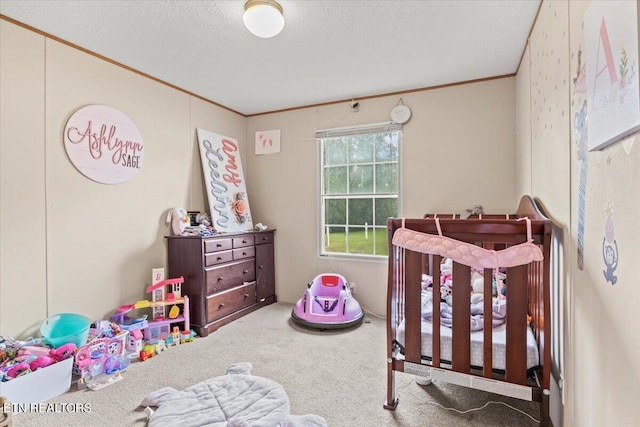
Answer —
237 399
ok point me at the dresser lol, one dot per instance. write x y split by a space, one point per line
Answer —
225 276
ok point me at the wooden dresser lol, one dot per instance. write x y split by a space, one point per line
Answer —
225 276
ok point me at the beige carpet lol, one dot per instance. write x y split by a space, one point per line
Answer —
339 375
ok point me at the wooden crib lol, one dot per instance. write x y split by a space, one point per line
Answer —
519 366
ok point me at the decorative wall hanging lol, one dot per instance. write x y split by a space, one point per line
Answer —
609 248
103 144
613 85
580 126
268 141
224 179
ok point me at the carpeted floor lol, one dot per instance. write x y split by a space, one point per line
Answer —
339 375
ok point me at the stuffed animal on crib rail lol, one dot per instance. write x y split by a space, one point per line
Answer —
179 220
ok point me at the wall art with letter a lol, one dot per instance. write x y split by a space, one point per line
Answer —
224 180
611 57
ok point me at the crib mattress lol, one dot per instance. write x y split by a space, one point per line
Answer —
477 338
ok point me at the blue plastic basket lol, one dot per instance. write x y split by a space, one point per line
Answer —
64 328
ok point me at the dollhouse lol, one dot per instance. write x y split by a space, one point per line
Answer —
165 294
160 326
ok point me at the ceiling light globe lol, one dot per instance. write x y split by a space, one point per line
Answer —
263 18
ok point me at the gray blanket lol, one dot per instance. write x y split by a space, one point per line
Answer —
237 399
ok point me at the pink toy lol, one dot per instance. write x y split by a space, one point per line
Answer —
41 362
34 350
63 352
19 369
327 304
91 358
179 221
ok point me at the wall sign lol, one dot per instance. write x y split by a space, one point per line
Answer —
224 179
613 83
103 144
268 141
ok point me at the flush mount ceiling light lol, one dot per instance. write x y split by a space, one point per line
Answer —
263 17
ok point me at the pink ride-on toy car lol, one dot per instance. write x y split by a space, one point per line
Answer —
327 303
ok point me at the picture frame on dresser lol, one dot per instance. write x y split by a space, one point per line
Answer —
226 276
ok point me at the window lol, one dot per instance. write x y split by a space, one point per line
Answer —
359 188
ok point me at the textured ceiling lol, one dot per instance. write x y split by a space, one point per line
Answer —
328 51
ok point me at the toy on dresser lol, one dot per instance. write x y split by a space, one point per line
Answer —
179 220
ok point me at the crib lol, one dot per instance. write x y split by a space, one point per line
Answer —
512 359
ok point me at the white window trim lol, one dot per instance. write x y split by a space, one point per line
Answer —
345 131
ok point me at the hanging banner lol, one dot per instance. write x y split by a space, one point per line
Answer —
103 144
224 179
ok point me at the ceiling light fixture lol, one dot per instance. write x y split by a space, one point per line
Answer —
263 17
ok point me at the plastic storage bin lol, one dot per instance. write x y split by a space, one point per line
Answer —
64 328
38 386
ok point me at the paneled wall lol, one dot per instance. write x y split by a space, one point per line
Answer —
594 197
69 243
458 151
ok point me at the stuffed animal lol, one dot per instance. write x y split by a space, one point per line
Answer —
500 285
19 369
41 362
179 220
446 294
477 282
203 219
446 271
426 281
63 352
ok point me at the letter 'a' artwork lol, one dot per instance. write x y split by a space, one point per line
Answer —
224 179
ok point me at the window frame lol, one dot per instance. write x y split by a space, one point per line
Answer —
321 136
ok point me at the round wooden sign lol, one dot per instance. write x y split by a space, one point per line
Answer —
103 144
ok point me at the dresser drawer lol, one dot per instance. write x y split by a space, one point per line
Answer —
264 238
215 245
217 258
229 301
229 275
241 253
242 241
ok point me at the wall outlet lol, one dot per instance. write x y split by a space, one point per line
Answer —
352 287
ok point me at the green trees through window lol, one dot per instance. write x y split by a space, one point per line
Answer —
359 188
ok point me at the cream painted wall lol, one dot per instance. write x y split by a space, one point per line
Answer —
523 126
605 314
23 292
82 246
602 345
458 150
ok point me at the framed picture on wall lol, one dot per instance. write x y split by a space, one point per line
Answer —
193 215
268 141
613 85
224 180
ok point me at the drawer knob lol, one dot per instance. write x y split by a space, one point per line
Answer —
219 258
265 238
261 266
221 305
220 279
246 295
245 271
218 245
